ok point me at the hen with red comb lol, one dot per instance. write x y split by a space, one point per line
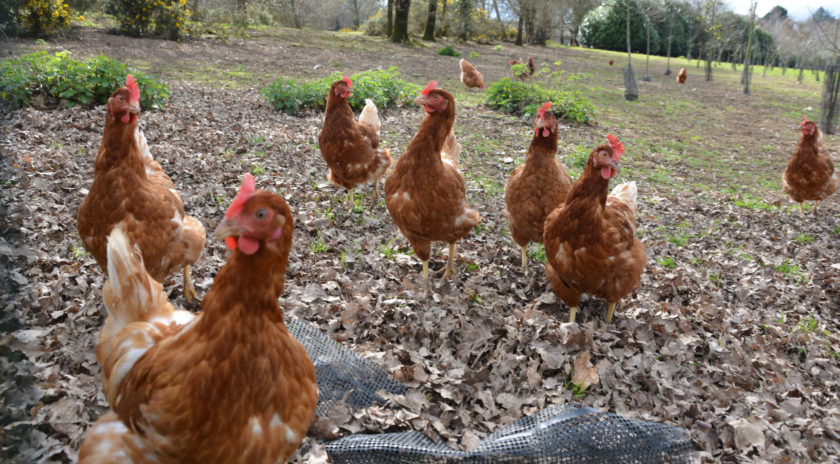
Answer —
536 188
350 148
425 192
810 174
590 240
130 186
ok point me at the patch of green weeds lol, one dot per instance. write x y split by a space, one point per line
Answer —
668 262
256 169
578 390
537 253
449 50
793 270
318 245
803 239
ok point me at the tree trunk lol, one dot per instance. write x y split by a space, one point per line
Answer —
400 32
646 77
465 9
389 24
356 20
670 37
519 31
748 51
828 105
429 32
631 92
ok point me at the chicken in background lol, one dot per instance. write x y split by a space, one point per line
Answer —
590 240
130 186
531 67
424 193
351 149
681 76
536 188
470 76
228 385
810 174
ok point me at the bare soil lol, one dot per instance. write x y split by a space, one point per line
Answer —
735 338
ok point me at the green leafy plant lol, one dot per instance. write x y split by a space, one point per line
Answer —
384 87
668 262
513 96
498 48
578 390
257 170
804 239
474 54
449 51
64 79
166 18
318 245
578 158
537 253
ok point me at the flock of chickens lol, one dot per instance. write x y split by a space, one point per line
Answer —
231 384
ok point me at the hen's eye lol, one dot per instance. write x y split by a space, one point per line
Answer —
261 214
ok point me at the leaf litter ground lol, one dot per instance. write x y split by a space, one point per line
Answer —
732 333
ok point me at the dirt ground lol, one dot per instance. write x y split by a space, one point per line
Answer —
735 338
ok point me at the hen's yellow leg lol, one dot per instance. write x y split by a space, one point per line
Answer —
572 313
189 287
449 270
525 259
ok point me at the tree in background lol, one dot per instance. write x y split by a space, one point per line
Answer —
630 91
399 33
465 11
429 31
605 27
745 78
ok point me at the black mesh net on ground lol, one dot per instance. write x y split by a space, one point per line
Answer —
558 434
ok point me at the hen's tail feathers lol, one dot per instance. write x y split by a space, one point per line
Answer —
130 294
451 150
627 192
142 145
370 116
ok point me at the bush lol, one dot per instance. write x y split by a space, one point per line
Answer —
384 87
167 18
448 51
520 98
43 17
60 78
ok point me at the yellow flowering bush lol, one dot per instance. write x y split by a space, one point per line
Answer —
44 17
165 18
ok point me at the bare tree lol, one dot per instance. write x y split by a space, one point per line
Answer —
748 51
389 22
429 32
631 92
400 30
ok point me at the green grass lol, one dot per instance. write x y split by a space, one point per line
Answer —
804 239
667 261
792 270
537 252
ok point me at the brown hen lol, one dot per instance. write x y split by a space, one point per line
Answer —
130 186
470 76
424 193
229 385
351 149
590 240
810 174
536 188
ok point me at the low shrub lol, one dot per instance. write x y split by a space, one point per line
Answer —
384 87
449 51
513 96
60 78
165 18
41 18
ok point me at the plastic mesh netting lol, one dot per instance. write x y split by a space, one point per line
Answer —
341 372
558 434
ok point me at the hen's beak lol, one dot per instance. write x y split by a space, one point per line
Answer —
421 100
616 165
227 228
134 107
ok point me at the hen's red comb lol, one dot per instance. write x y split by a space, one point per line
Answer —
432 86
246 191
133 91
617 147
543 109
512 62
348 81
804 120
